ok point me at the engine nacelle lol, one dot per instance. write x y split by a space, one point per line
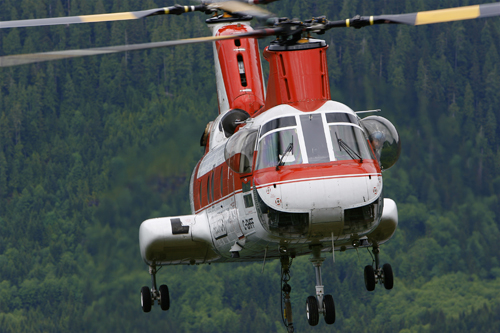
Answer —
176 240
388 223
384 139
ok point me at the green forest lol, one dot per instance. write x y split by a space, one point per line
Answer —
91 147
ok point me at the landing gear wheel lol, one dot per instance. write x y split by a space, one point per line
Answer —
146 300
369 278
388 276
329 308
312 311
164 298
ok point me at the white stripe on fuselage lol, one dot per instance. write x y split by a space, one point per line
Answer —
319 178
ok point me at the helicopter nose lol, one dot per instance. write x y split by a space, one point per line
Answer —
326 197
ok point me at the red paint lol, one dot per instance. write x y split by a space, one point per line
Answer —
250 97
232 182
205 194
298 78
341 169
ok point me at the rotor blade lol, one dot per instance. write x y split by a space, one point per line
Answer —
421 18
242 8
444 15
258 2
22 59
177 9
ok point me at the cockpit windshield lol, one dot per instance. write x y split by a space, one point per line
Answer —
275 147
311 138
348 143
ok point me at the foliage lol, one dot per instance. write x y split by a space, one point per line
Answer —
89 148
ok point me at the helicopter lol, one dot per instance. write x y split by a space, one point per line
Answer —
286 171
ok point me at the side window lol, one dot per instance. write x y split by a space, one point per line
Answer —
201 188
212 193
209 197
248 200
222 181
239 150
230 180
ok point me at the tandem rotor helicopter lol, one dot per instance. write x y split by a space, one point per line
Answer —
286 171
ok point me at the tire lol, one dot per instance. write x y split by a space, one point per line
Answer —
312 311
164 298
369 278
388 276
329 307
146 300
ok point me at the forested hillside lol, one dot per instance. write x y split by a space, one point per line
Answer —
91 147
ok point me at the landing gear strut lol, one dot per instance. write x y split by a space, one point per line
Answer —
381 275
286 263
322 303
149 296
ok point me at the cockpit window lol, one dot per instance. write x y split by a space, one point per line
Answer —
314 136
348 143
278 123
340 117
304 139
279 145
239 150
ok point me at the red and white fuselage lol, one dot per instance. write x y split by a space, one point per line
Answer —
282 171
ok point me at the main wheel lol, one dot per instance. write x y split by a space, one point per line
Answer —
312 310
146 299
369 278
388 276
164 298
329 307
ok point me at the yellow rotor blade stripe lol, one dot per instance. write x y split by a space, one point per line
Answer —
447 15
108 17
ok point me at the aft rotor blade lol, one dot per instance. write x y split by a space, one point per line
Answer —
177 10
22 59
445 15
421 18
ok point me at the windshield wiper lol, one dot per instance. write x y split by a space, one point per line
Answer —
352 153
287 150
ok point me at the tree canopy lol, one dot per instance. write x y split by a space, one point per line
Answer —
91 147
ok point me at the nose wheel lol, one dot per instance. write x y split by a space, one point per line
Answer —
378 274
149 296
321 303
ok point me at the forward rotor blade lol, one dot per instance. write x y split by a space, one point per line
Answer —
22 59
421 18
236 7
259 2
177 9
242 8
